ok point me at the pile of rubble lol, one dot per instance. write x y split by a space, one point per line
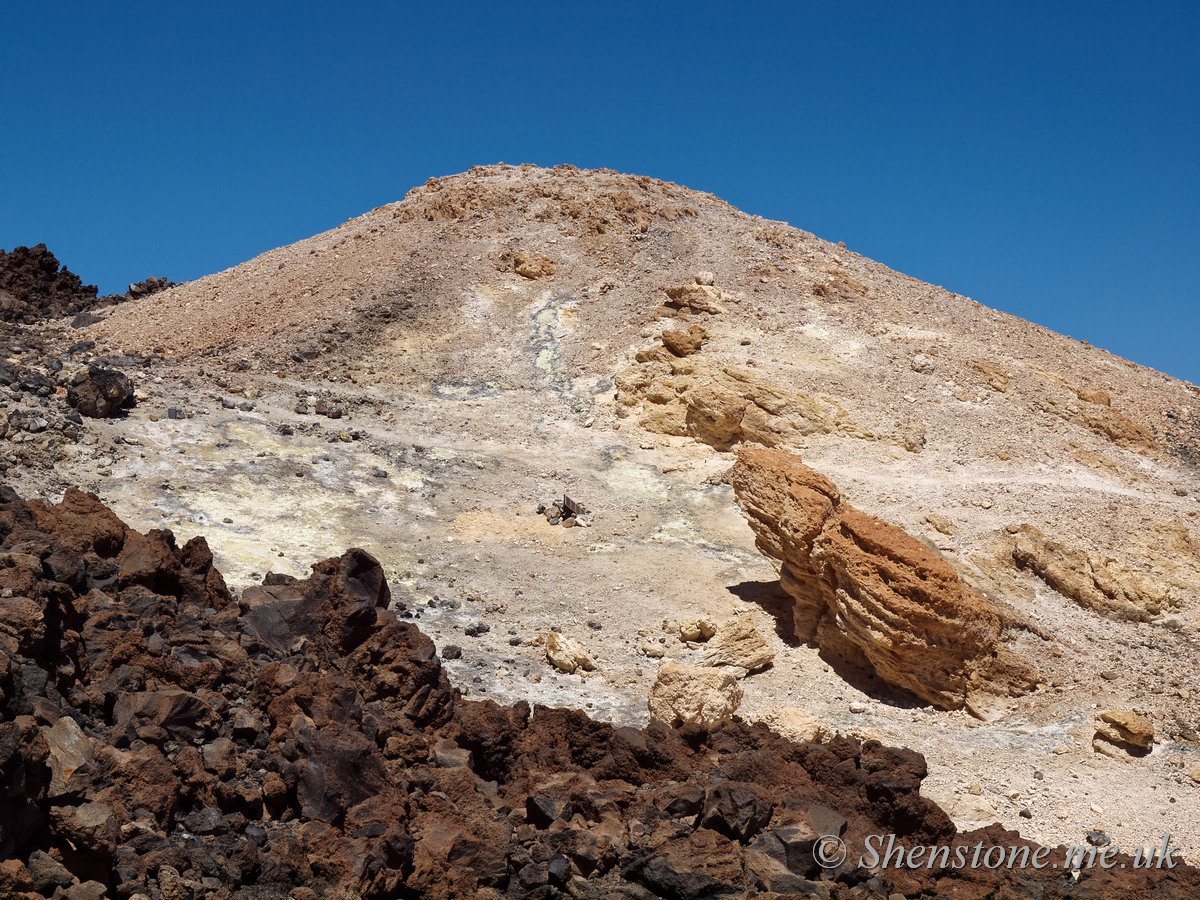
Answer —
565 512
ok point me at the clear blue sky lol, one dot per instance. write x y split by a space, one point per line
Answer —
1042 158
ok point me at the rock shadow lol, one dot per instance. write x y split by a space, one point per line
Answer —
863 678
771 598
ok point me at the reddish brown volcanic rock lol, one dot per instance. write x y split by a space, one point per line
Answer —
160 739
33 286
870 592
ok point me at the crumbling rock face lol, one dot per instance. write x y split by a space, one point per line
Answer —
722 407
871 593
1096 414
1121 733
1093 580
703 298
158 739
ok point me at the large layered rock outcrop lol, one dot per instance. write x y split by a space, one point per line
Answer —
160 739
1095 581
869 592
722 406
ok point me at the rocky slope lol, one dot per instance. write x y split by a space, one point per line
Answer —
161 740
418 381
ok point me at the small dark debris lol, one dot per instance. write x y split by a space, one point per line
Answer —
452 651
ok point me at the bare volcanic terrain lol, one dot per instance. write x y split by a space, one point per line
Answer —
806 506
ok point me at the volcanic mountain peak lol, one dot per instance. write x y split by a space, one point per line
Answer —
418 381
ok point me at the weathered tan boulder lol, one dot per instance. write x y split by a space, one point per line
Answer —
567 654
685 343
700 297
1122 732
795 724
870 592
653 650
533 265
697 629
737 642
1093 580
698 694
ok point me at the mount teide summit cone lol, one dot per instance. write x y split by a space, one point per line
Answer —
417 381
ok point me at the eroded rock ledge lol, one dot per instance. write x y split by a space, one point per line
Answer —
873 594
161 739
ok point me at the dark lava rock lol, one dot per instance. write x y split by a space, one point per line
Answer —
34 286
452 651
306 742
477 628
101 393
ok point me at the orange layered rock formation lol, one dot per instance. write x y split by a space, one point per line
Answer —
871 593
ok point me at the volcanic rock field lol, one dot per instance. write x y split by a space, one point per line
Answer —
553 532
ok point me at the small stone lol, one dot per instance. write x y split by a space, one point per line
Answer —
594 625
452 651
858 707
1026 814
567 654
975 789
1098 838
477 628
653 650
1109 675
